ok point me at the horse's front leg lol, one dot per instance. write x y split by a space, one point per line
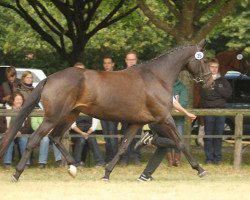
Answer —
170 125
129 135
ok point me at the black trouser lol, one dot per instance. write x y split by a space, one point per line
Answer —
162 144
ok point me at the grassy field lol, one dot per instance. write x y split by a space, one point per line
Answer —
180 183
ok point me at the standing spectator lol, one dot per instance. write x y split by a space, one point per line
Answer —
108 127
25 87
44 145
2 118
1 96
79 65
10 86
21 137
131 60
180 94
214 125
85 126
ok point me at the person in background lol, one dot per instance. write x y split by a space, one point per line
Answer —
2 106
79 65
10 86
25 87
2 102
180 95
130 61
214 125
85 125
17 101
44 146
109 127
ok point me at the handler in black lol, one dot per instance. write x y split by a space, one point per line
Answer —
162 143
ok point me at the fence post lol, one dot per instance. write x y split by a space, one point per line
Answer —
238 140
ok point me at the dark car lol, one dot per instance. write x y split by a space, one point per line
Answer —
240 98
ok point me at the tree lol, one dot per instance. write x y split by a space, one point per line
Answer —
68 25
234 33
131 33
187 21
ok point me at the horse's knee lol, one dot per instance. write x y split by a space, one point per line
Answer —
55 140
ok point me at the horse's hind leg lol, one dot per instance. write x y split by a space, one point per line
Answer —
56 135
33 141
172 132
130 133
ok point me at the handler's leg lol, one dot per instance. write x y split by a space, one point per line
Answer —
153 164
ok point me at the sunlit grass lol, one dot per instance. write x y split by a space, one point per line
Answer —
174 183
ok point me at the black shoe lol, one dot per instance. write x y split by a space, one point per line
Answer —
59 163
99 165
137 162
123 163
144 178
217 162
7 166
208 162
41 165
145 139
27 166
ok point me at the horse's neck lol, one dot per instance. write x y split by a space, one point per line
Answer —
168 67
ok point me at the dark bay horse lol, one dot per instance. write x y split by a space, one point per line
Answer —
140 95
233 60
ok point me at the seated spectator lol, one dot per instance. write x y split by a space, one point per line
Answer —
21 137
2 118
85 126
44 146
25 87
11 84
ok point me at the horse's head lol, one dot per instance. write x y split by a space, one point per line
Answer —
198 68
233 59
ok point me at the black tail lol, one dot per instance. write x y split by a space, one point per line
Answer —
28 106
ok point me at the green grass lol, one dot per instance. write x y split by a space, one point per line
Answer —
174 183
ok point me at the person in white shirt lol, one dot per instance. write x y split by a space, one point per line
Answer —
85 126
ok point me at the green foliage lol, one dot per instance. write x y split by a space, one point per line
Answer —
18 39
134 32
233 32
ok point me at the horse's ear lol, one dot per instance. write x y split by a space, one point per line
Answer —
202 44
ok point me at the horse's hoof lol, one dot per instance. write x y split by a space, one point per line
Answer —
72 171
203 174
14 179
105 179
